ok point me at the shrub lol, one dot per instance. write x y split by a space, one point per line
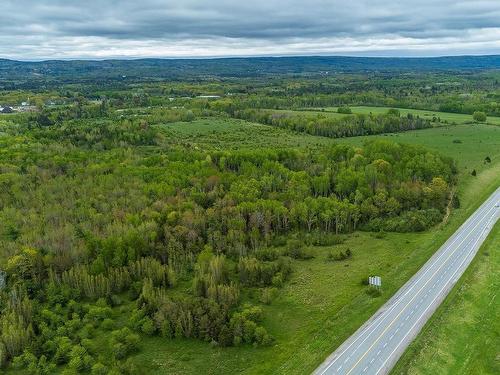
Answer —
262 337
409 221
127 368
123 342
97 314
267 254
136 319
107 324
318 238
253 313
277 280
268 294
115 300
148 327
341 255
119 350
374 292
344 109
64 346
296 250
23 360
80 359
226 337
479 116
394 112
99 369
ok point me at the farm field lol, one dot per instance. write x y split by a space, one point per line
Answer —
463 336
452 118
469 145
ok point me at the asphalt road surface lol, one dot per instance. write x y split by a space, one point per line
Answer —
377 345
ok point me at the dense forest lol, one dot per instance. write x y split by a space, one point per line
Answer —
347 126
98 215
113 229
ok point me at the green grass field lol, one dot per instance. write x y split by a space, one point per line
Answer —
452 118
237 134
324 303
475 143
463 336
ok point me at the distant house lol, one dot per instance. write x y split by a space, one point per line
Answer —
208 96
7 109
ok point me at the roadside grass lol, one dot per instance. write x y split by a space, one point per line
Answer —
463 336
323 303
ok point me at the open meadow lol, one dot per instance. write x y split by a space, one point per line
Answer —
445 117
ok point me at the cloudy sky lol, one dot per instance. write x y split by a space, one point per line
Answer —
67 29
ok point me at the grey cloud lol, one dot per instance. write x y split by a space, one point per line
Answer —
57 28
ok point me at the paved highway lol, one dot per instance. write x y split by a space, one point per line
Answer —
375 347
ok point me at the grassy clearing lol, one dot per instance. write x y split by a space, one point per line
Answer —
463 336
237 134
324 303
452 118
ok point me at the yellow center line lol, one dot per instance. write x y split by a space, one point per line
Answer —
416 294
369 329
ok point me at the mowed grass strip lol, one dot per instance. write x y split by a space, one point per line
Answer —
463 336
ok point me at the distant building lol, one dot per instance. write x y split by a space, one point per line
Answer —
7 109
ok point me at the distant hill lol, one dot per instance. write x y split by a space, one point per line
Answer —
78 70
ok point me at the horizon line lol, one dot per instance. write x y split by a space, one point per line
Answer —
132 58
